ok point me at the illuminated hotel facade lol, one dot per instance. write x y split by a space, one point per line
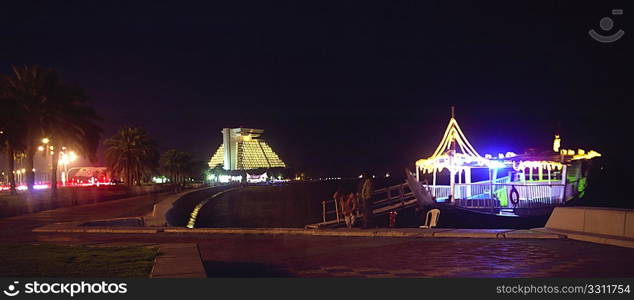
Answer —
244 149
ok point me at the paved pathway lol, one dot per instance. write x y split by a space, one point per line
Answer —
18 228
398 257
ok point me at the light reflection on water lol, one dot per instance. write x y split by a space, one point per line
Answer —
194 214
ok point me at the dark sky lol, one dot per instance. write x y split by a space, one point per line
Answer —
340 87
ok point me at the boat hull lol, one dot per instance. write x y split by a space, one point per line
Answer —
456 217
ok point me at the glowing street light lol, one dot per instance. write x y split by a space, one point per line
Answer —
64 160
45 141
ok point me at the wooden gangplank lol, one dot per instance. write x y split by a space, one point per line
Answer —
393 198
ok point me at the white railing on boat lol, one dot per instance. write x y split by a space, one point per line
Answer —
496 195
465 190
533 195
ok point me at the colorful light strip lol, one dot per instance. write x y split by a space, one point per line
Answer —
582 155
548 165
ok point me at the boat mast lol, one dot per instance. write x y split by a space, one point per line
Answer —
452 172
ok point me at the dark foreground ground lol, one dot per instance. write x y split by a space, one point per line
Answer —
301 256
304 256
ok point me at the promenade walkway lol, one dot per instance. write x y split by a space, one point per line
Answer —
342 253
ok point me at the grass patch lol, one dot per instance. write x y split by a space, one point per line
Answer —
75 261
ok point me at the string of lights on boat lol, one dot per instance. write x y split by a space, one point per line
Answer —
448 156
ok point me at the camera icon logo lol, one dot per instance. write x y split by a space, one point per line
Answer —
606 25
12 290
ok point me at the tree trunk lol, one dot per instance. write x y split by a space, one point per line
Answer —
128 177
11 164
128 171
30 163
54 163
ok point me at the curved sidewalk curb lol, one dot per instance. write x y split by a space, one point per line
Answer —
401 232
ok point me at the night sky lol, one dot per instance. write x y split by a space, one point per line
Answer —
341 87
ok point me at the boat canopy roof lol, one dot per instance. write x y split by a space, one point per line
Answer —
454 152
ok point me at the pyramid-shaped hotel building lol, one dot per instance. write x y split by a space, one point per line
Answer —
244 149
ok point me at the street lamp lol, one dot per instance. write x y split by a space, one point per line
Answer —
64 160
43 148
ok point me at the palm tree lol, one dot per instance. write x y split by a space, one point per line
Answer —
131 154
12 129
176 164
32 88
46 106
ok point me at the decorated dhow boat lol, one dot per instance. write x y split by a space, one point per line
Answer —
506 190
505 185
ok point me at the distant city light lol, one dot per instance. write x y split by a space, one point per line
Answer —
228 178
556 143
65 159
159 179
256 178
